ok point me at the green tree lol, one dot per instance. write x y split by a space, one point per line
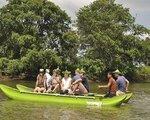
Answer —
109 33
36 34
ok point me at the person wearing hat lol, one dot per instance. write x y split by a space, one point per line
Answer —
122 83
66 82
55 81
40 82
77 86
84 80
47 79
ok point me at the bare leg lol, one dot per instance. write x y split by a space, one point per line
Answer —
36 89
82 89
42 89
75 87
49 89
56 87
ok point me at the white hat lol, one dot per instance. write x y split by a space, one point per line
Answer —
117 71
47 71
41 70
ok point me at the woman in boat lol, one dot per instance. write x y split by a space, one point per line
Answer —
122 83
66 82
77 86
84 80
40 82
112 86
55 81
47 79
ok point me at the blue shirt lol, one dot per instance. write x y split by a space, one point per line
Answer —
77 77
121 83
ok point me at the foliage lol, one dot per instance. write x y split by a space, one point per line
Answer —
34 34
92 67
109 34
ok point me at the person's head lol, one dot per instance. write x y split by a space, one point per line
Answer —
77 71
117 73
41 71
47 70
66 73
109 75
55 72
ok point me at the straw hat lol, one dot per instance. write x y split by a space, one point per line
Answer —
117 72
66 72
77 70
47 70
82 71
56 71
41 70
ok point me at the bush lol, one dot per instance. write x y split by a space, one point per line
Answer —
3 65
14 67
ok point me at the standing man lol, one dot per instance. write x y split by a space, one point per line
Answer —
112 86
122 83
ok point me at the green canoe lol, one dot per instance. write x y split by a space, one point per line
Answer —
22 88
61 99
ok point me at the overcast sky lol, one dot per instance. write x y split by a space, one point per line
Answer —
138 8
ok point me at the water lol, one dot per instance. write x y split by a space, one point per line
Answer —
138 107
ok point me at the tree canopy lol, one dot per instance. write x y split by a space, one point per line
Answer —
37 34
34 34
111 35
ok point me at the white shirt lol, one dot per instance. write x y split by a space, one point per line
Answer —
66 83
48 79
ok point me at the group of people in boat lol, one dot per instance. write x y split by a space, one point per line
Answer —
46 83
64 85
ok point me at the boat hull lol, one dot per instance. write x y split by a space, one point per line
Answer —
62 99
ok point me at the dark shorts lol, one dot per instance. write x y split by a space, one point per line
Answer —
110 95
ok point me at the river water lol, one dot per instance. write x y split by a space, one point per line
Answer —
138 107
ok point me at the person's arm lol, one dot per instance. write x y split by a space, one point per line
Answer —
36 84
105 86
76 81
127 84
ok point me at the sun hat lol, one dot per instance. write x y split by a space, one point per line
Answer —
77 70
47 70
41 70
66 72
117 72
82 71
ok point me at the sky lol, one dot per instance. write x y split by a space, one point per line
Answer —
138 8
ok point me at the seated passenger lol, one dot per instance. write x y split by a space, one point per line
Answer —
66 83
47 79
55 82
122 83
77 86
112 86
84 80
40 82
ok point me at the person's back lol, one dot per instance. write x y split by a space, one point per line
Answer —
85 83
121 83
113 86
